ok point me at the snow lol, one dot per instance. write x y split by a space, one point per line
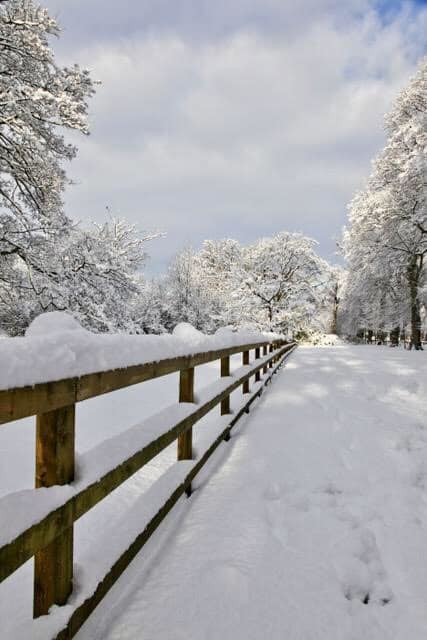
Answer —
56 347
21 509
312 523
315 506
53 322
186 332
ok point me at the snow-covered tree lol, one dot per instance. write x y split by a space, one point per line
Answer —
271 284
335 285
218 261
38 100
277 276
98 275
188 296
149 306
219 268
94 273
324 316
386 242
46 261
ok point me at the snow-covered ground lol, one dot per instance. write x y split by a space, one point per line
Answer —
310 524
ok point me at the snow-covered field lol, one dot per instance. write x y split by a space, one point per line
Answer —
310 524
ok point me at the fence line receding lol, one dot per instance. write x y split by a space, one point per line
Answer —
50 538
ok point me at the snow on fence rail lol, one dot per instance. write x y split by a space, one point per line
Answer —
45 531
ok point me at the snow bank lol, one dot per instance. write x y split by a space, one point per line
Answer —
56 347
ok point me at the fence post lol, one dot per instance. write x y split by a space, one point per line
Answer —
270 364
53 565
258 373
186 394
264 353
225 371
245 360
225 403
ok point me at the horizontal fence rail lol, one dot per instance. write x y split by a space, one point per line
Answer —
40 398
48 533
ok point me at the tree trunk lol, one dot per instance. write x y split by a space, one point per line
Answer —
381 336
394 336
270 316
414 271
335 304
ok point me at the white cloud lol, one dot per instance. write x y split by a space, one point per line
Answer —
244 134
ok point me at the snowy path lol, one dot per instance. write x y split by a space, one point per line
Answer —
311 524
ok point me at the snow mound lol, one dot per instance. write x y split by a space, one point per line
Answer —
53 322
187 333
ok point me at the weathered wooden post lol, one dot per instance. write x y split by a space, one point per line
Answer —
186 394
245 360
53 565
258 373
225 371
264 353
270 364
225 402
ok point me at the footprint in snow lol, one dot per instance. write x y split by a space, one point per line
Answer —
327 495
273 491
363 575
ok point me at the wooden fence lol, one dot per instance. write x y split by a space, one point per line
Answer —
50 539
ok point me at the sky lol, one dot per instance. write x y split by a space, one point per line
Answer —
233 118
